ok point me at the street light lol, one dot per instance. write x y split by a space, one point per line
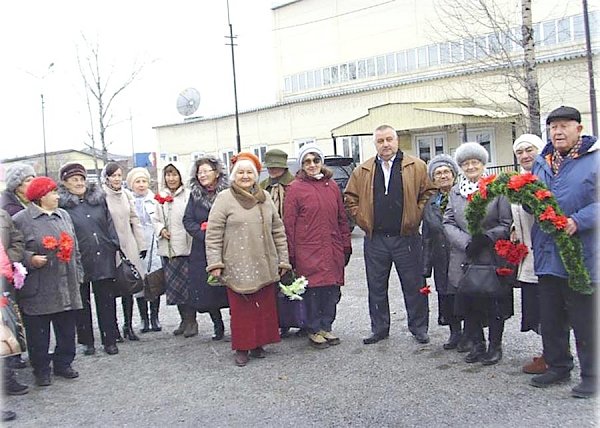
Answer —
43 118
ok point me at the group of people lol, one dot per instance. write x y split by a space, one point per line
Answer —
226 240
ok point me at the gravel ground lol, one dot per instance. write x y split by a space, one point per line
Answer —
164 379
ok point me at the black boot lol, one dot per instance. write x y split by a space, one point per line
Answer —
477 353
219 327
493 355
142 305
154 306
455 336
128 332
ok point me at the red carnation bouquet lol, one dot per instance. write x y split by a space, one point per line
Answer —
513 253
162 200
63 246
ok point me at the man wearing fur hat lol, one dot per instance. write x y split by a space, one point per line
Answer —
18 177
386 195
569 167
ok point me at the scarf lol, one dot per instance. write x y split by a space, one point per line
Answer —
558 159
277 192
246 199
442 201
466 186
140 209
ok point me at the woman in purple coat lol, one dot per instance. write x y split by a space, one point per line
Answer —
318 241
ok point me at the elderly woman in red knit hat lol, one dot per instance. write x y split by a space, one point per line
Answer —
246 249
50 293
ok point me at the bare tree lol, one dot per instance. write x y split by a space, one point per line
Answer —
490 30
101 92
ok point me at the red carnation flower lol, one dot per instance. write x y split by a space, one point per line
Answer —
50 242
548 214
425 290
516 182
204 225
504 271
169 198
560 222
542 194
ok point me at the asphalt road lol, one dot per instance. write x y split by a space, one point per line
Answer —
166 380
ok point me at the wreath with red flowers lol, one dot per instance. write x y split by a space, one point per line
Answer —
525 189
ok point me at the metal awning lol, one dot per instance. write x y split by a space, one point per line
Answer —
409 116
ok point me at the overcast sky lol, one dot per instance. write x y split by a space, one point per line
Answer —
182 43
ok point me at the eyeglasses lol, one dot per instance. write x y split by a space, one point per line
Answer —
204 172
307 162
442 173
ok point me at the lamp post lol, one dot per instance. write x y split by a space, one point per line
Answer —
44 119
237 120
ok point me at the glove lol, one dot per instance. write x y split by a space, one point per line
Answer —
347 258
478 244
143 254
287 278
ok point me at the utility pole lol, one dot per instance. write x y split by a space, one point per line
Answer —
237 119
590 66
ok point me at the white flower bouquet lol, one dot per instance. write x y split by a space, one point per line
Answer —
294 290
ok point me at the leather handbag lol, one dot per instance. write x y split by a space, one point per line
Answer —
129 280
480 280
154 282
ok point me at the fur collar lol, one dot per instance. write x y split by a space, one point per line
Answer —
94 195
246 199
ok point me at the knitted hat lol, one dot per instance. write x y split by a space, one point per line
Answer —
248 156
564 112
276 159
442 160
136 173
16 175
39 187
71 169
468 151
309 148
528 140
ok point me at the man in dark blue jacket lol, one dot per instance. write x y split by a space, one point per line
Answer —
569 167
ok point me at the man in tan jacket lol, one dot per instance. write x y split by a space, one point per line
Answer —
386 195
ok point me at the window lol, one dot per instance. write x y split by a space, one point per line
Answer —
564 30
334 74
390 63
432 53
457 52
287 84
469 49
549 30
537 36
444 53
401 61
310 80
371 67
485 137
318 78
301 81
351 148
295 83
343 72
411 60
422 57
259 152
362 69
197 155
494 43
326 76
578 27
352 70
429 145
226 156
380 65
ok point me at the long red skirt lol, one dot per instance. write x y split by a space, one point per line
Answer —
254 320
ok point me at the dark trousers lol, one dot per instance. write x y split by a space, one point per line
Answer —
561 307
37 328
104 296
321 305
477 318
405 252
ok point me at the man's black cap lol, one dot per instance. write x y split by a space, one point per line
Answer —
564 112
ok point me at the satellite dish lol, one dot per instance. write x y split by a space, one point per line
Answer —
188 101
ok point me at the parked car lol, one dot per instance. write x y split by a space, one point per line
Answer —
342 168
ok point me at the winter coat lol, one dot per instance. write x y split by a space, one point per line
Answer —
436 249
170 216
522 224
317 230
575 187
54 287
127 224
416 190
495 224
96 234
145 207
10 202
248 243
11 237
203 297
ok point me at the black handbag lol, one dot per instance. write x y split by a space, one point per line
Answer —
128 280
480 280
154 282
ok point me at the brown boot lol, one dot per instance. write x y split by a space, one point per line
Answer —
537 366
182 313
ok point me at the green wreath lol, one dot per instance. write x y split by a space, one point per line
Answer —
525 189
